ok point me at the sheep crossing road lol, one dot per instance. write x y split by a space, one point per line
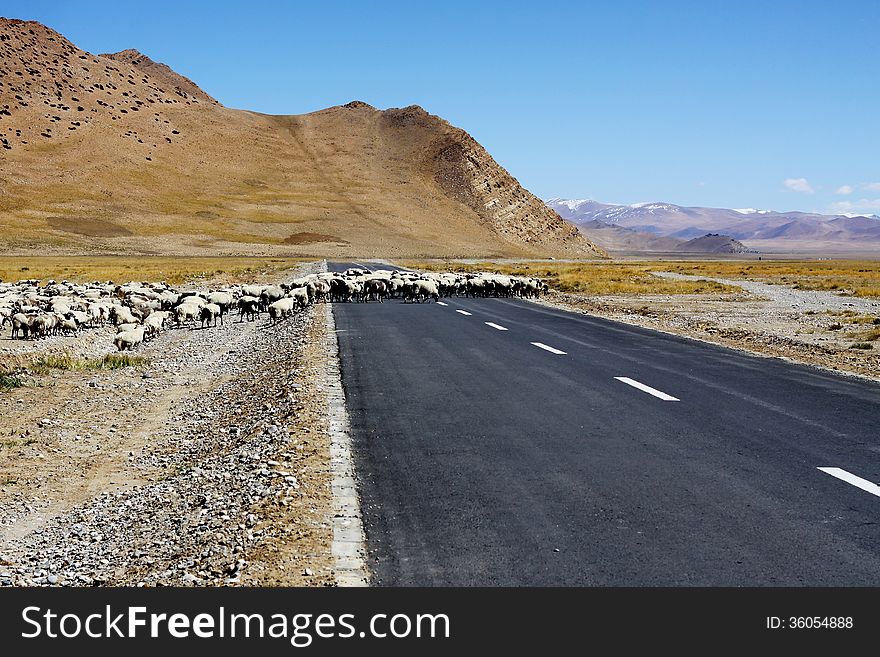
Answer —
514 444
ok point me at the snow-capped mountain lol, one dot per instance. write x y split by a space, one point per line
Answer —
765 230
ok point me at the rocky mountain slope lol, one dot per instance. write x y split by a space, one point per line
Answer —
764 230
116 153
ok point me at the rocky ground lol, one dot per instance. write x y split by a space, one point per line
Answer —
804 326
208 466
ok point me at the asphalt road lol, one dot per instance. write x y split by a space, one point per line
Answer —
633 458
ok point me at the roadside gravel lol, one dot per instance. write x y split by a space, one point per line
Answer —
804 326
197 469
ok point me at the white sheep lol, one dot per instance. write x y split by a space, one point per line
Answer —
130 339
210 312
282 308
186 312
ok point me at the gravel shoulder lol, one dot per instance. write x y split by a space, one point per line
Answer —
208 466
810 327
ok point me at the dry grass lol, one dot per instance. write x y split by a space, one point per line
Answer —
596 278
118 361
850 277
866 336
174 270
66 362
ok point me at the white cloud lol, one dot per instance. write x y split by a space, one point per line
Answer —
872 187
862 205
798 185
845 189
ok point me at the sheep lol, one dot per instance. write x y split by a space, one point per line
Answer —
338 289
42 325
68 324
301 296
322 290
252 291
124 328
249 306
375 288
130 339
122 315
21 324
210 312
82 318
352 291
154 324
282 308
186 312
222 299
424 290
98 313
270 295
395 287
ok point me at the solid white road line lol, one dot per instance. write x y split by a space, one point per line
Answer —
641 386
495 326
541 345
440 303
850 478
463 312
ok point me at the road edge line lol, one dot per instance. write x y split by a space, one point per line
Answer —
349 543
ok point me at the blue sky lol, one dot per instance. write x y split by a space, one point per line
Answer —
771 105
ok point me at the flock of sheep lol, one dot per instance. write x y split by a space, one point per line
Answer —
140 311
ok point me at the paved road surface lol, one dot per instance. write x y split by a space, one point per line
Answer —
499 442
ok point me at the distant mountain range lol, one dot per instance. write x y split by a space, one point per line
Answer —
648 226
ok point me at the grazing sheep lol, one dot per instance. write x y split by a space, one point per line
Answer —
282 308
68 325
186 312
130 339
270 295
249 306
222 299
122 315
154 324
301 296
42 325
423 290
252 291
322 290
210 312
21 324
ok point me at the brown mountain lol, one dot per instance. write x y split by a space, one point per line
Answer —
617 238
182 86
110 153
713 243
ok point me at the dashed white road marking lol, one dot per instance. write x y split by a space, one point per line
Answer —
641 386
858 482
440 303
495 326
463 312
541 345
